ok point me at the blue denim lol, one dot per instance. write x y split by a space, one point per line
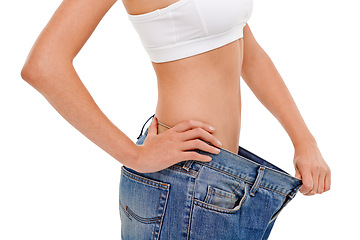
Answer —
234 196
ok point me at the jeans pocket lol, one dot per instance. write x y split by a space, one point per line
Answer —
142 204
224 201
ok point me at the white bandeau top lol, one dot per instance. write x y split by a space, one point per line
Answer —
190 27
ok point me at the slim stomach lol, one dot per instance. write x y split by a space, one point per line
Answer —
204 87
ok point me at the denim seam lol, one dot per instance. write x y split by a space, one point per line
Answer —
286 174
192 205
142 219
236 189
152 220
157 213
246 187
163 214
237 177
221 194
211 207
126 213
208 196
181 170
221 209
269 189
146 181
294 192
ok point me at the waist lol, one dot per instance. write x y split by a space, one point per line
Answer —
205 87
247 166
224 116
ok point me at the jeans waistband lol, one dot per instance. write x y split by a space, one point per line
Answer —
249 167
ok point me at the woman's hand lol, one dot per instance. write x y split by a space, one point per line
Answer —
161 151
312 169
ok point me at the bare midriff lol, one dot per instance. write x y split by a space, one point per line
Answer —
203 87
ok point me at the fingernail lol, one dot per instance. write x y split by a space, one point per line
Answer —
219 143
211 128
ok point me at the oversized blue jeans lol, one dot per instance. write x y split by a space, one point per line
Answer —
234 196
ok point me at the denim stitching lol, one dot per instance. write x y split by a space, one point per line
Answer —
164 211
286 174
142 219
192 206
223 195
187 165
181 170
126 213
207 197
221 209
151 183
236 189
241 178
220 194
293 193
157 213
257 182
146 180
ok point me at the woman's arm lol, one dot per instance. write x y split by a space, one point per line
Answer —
49 69
265 82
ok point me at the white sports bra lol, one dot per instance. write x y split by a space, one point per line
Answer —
190 27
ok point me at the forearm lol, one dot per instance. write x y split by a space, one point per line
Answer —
64 90
265 82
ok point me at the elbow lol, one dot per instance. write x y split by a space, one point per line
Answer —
36 75
31 74
27 72
33 70
39 71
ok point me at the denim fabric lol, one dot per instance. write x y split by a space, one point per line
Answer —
234 196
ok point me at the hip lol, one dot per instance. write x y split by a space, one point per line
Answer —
237 196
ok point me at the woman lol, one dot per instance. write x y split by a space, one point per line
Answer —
185 177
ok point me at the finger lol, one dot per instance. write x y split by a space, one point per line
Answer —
153 127
307 183
192 155
198 144
190 124
200 133
315 178
297 173
321 183
327 182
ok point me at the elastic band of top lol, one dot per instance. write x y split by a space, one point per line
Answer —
162 124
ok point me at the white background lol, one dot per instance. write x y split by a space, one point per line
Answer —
56 184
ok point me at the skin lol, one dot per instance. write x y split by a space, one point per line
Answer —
207 85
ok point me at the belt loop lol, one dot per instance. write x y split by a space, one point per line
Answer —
144 126
187 165
259 176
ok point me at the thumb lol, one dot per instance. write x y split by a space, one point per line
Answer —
153 127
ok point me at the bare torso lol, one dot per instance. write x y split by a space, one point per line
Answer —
204 87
